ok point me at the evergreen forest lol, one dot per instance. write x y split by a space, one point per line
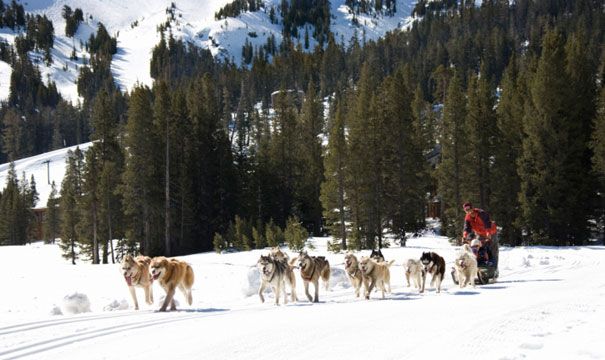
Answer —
332 140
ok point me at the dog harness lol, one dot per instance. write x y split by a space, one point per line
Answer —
310 276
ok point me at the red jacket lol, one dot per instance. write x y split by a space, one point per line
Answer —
480 224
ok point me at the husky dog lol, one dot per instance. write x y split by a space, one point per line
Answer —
172 273
353 272
435 265
136 273
275 273
311 269
466 266
414 270
279 255
276 253
375 274
377 255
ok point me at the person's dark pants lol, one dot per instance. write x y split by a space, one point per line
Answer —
492 246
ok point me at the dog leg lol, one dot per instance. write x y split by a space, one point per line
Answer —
260 291
423 282
293 286
276 292
439 280
169 299
369 290
134 297
283 290
316 291
148 297
186 293
307 291
407 277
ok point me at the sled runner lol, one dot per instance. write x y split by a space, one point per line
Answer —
485 275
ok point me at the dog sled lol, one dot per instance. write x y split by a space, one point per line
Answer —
485 275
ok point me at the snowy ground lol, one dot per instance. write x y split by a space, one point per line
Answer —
547 304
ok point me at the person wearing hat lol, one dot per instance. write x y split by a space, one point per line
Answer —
477 221
485 262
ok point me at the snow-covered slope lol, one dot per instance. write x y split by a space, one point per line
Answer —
547 304
135 24
45 168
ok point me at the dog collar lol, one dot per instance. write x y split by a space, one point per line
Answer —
310 276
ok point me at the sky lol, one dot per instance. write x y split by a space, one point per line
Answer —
134 23
547 304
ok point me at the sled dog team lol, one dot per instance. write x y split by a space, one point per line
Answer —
373 272
277 271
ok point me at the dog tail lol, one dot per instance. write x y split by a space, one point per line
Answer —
292 262
390 263
468 249
326 273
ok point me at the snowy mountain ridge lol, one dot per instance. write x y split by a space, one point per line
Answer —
135 25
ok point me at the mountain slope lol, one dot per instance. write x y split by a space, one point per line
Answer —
135 25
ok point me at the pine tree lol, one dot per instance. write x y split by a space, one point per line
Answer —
406 169
363 183
214 173
553 199
598 147
482 130
581 70
12 135
295 234
30 197
71 193
451 172
88 227
285 156
311 122
333 188
164 128
9 207
504 202
52 216
183 162
141 186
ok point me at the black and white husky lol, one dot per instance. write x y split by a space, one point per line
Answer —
275 273
435 265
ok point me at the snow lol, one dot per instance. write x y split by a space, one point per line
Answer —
45 168
135 22
547 304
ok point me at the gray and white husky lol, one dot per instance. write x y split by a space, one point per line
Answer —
275 273
414 270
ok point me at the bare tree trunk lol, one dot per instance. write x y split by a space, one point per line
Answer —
110 233
168 250
95 240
